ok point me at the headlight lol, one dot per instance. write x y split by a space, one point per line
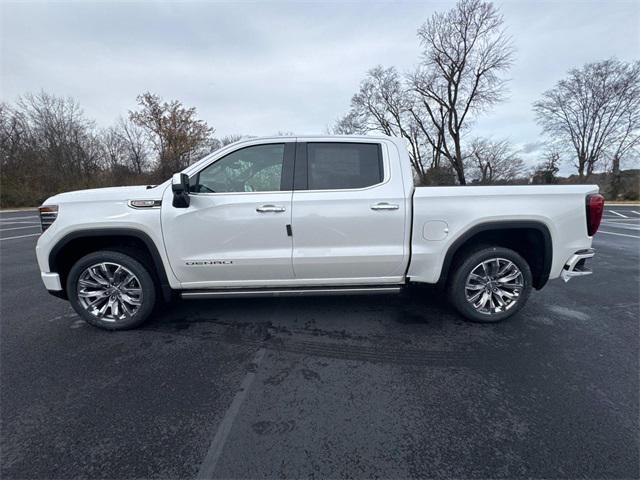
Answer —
48 215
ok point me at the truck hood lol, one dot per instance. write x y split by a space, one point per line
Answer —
111 194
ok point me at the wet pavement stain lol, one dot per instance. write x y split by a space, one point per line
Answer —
278 378
310 374
266 427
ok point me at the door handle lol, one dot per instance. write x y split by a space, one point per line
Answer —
385 206
270 208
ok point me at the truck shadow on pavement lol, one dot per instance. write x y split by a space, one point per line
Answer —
417 327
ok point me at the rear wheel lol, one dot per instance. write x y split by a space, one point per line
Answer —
490 284
111 290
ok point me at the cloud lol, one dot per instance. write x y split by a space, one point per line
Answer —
257 68
532 147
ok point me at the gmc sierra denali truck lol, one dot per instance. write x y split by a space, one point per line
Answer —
310 216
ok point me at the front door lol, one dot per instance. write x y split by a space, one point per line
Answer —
234 233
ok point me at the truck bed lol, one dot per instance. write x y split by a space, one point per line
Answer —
443 216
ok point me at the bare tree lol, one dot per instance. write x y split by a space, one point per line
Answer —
231 138
125 152
62 133
115 149
383 104
48 144
13 133
625 146
494 161
218 143
545 172
176 134
348 124
63 137
594 110
431 124
137 146
465 52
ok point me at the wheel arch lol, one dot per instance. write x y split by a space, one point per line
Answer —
75 245
518 235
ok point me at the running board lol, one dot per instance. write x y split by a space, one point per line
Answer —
288 292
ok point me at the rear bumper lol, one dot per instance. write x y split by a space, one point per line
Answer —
576 265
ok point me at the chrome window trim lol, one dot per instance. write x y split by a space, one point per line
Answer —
211 194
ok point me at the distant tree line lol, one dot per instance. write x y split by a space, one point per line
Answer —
590 119
48 145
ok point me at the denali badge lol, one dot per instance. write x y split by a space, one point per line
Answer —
192 263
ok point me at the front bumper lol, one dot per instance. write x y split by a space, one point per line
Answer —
576 265
51 281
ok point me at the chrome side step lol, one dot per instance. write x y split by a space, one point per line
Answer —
289 292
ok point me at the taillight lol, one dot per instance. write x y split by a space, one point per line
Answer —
595 207
48 214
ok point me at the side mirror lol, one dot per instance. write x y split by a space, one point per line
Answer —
180 187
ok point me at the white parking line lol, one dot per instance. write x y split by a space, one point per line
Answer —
619 214
18 218
21 236
633 211
18 228
619 219
20 222
208 466
636 226
620 234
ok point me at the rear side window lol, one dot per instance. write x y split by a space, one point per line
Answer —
334 166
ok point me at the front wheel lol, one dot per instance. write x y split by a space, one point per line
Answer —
111 290
490 284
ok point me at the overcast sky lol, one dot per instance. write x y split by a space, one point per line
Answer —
262 67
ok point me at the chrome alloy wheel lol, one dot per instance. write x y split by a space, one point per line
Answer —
494 286
109 291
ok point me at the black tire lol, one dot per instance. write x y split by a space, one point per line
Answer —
473 259
142 277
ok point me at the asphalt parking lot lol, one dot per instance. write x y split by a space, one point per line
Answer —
391 387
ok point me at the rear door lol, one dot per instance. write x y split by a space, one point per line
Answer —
348 213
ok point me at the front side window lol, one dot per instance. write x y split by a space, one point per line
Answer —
333 166
252 169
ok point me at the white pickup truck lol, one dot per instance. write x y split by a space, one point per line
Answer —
310 216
